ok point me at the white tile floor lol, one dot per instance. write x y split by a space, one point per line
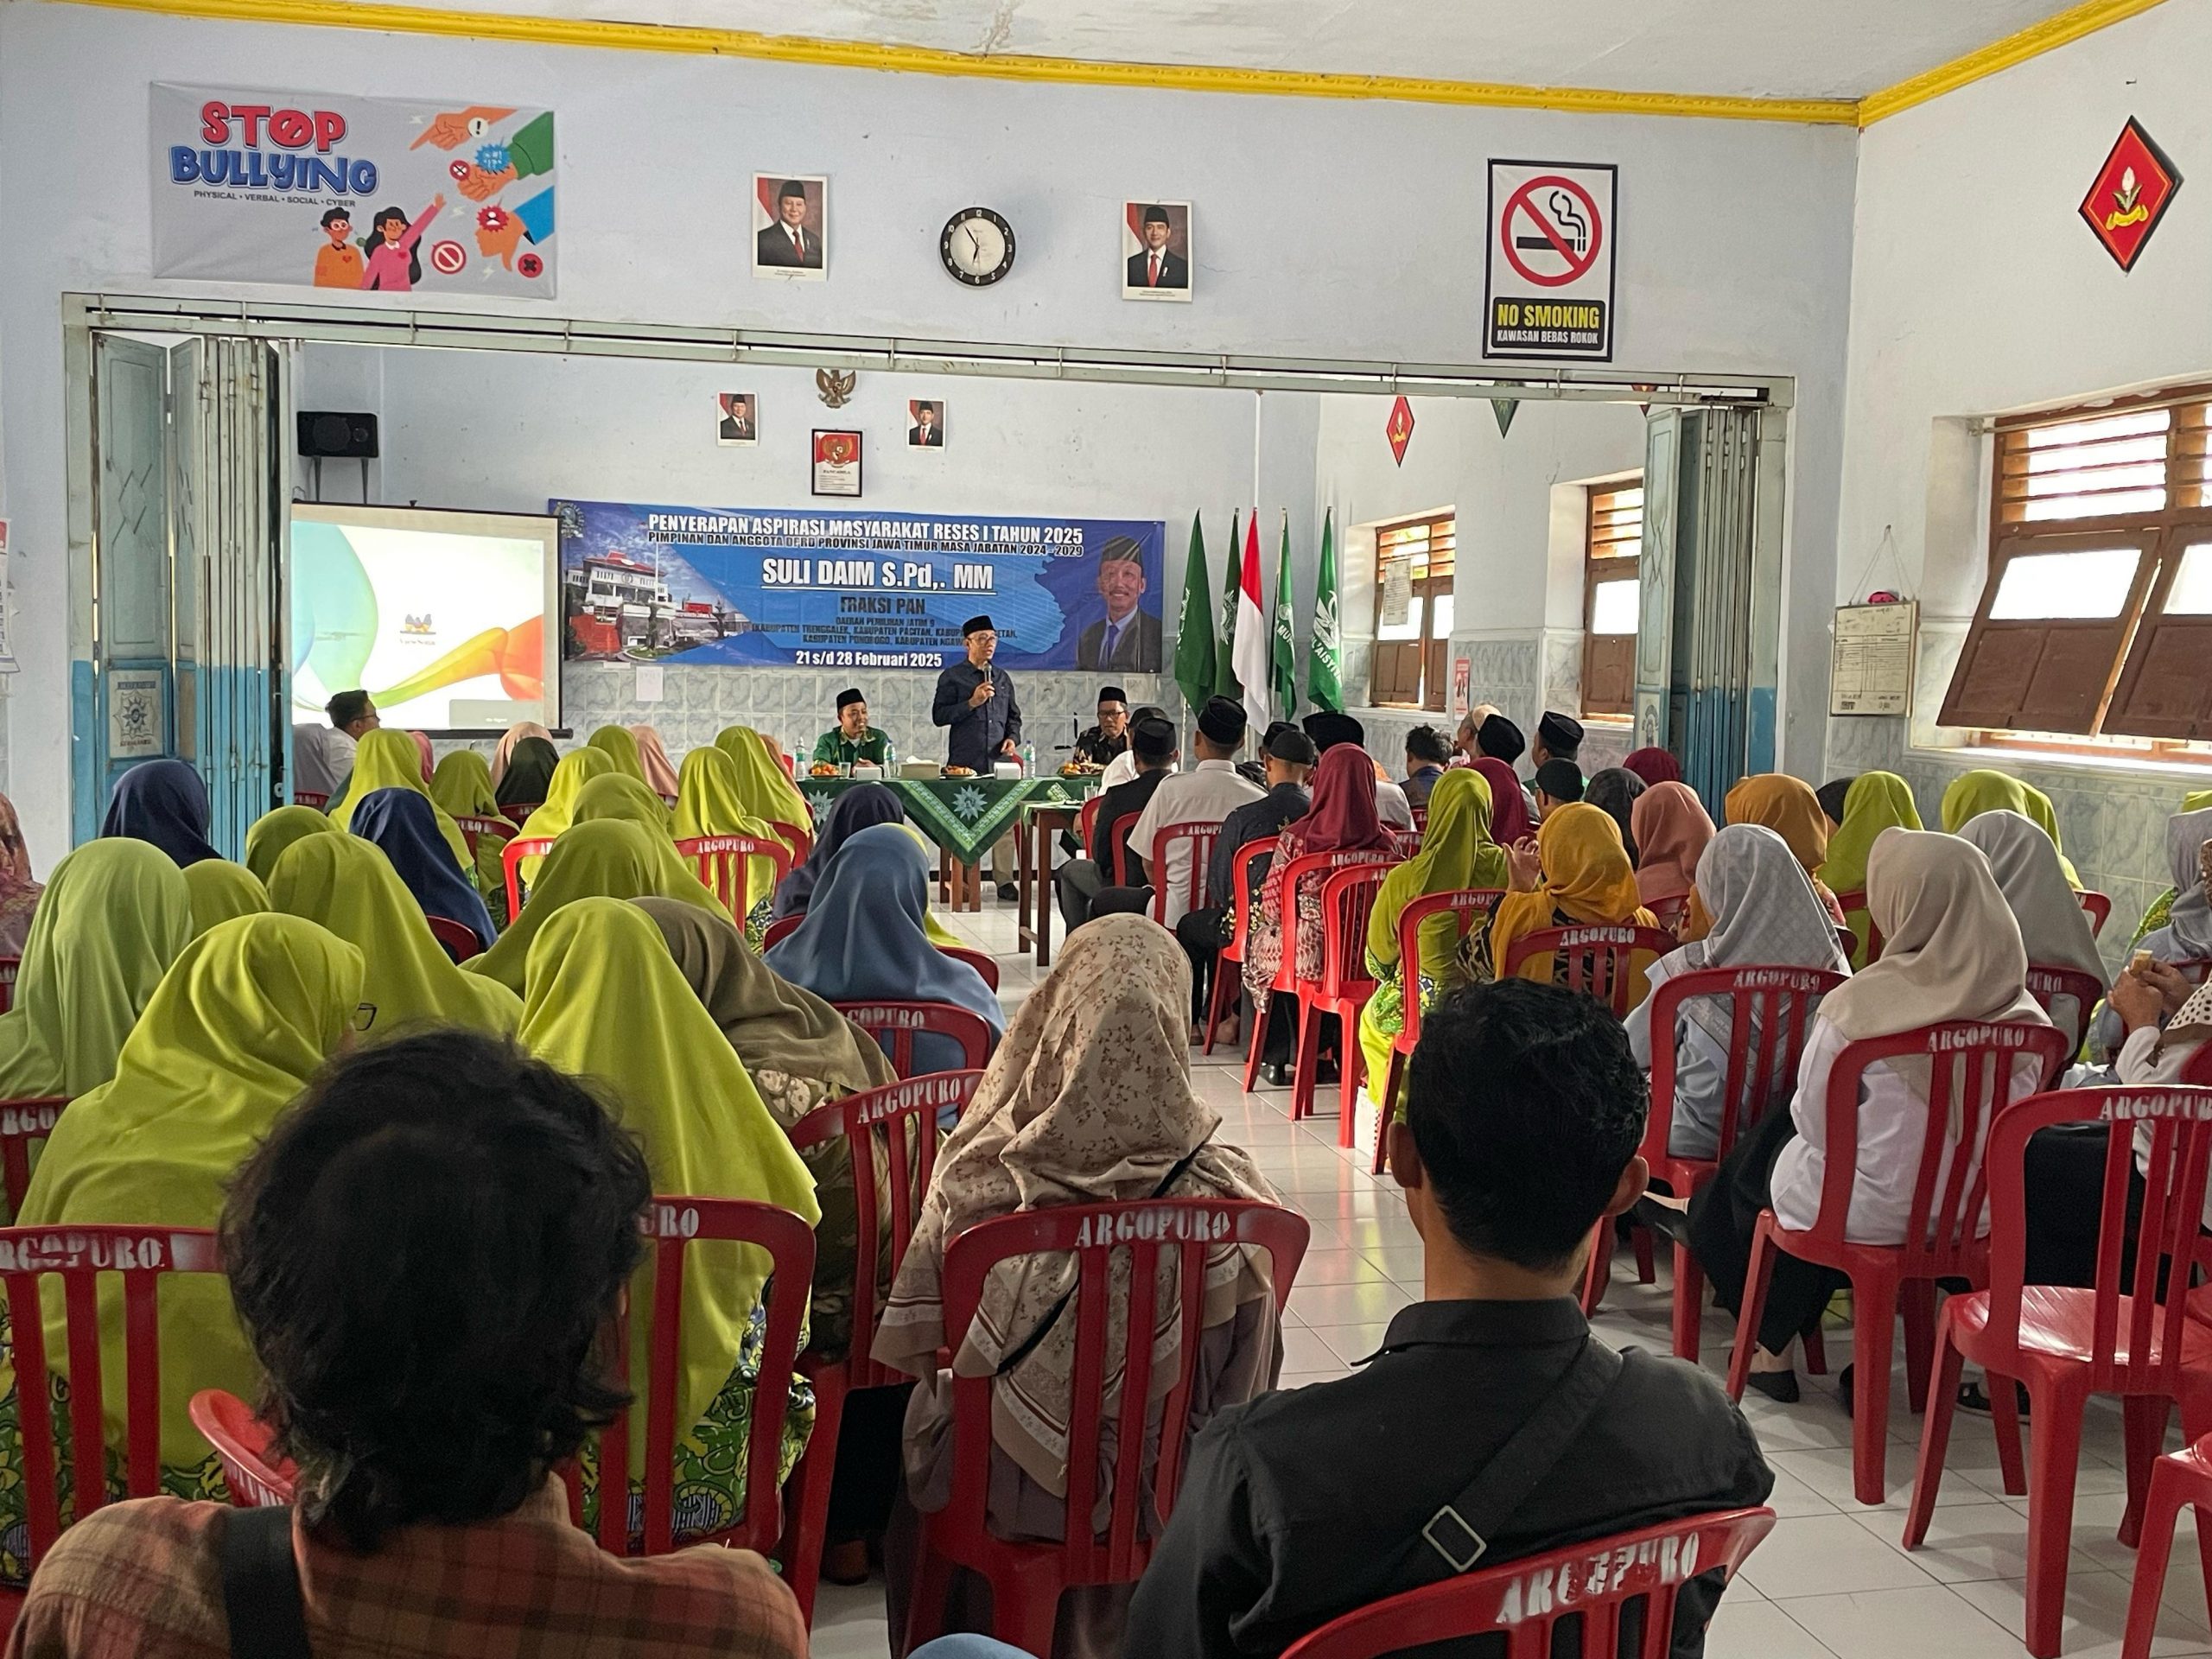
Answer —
1833 1580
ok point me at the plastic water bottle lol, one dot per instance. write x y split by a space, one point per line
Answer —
1029 760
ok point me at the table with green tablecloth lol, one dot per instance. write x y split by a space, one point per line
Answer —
964 815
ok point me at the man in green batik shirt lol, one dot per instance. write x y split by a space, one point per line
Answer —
850 740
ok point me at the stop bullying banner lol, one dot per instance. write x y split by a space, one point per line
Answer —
329 190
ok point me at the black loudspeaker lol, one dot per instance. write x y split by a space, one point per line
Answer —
326 434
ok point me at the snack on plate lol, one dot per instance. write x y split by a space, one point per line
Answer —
960 772
822 769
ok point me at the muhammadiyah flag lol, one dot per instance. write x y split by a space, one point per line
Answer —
1324 673
1282 677
1194 669
1225 684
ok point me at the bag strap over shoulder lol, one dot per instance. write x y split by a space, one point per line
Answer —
261 1586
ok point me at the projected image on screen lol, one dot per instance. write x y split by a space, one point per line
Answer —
439 616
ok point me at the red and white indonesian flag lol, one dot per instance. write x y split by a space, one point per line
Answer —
1249 652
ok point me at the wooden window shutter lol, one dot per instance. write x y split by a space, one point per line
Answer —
2036 672
2165 689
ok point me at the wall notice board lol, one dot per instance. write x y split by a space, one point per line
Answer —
1871 672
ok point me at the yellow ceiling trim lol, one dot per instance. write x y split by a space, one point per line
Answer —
2061 29
914 59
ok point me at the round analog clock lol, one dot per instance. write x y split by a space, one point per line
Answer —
977 246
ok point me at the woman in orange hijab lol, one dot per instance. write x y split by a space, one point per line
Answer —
1580 873
1788 806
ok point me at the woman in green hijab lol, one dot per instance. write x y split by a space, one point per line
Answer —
709 801
113 917
615 795
222 891
763 789
348 885
272 832
1972 794
607 1002
387 758
1877 801
604 859
461 785
619 744
1456 852
249 1012
577 768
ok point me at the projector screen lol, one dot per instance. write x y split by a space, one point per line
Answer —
441 617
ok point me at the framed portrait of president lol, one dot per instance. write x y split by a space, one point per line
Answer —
791 227
1156 250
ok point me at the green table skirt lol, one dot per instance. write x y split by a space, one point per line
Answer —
964 815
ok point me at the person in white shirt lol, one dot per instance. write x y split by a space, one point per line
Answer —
1953 953
322 756
1122 768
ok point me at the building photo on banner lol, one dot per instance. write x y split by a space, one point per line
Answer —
379 195
731 586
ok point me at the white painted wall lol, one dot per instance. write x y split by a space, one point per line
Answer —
1337 229
1977 289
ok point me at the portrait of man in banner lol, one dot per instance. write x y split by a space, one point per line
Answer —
1128 637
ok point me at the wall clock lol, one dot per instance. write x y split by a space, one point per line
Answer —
977 247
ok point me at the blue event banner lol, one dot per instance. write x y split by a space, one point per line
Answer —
738 586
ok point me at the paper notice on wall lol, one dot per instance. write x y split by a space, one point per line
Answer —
1871 670
136 722
1397 593
649 684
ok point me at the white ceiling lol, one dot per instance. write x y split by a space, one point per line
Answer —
1773 48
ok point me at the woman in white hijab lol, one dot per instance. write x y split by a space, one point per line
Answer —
1087 1101
1953 953
2187 935
2054 928
1765 914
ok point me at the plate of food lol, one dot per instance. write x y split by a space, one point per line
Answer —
1080 769
822 769
960 772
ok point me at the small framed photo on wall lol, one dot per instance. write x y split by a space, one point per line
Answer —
791 227
836 463
735 422
924 424
1156 250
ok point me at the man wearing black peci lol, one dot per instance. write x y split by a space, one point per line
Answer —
977 703
1155 264
1101 743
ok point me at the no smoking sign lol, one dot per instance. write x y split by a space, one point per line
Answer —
1548 266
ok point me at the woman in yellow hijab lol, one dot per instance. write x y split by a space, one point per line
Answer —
1456 852
348 886
1581 873
462 786
619 744
1972 794
221 891
1789 807
710 801
1876 801
387 758
249 1012
577 768
615 795
272 832
605 860
763 789
608 1002
113 917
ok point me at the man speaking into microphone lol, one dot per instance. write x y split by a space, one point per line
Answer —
977 703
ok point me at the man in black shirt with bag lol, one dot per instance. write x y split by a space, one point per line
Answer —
1492 1424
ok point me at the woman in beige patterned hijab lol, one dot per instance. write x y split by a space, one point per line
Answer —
1087 1101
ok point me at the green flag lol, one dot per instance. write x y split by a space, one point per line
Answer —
1282 659
1324 672
1225 684
1194 626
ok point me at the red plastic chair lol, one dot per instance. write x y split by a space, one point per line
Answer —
308 798
2067 1344
2179 1477
904 1116
724 866
510 858
475 829
518 813
1468 907
1027 1579
1770 1014
1669 910
22 1124
1421 819
1116 861
987 966
899 1022
1847 902
2098 906
782 928
10 967
799 838
1942 1227
673 1224
1524 1600
1229 962
79 1255
1086 821
458 942
1300 870
1201 837
2047 984
257 1477
1347 903
1599 958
